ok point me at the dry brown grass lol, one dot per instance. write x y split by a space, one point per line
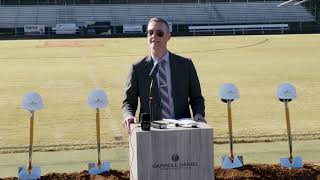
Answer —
64 75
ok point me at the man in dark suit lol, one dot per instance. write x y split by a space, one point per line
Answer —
176 82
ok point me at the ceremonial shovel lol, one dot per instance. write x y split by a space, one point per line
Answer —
31 102
228 92
286 92
98 99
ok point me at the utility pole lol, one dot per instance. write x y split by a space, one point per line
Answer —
315 11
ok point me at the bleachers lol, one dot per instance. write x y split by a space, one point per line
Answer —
176 13
47 15
66 14
236 28
26 15
257 12
8 16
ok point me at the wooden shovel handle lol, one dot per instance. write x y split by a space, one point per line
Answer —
288 129
31 141
98 136
230 129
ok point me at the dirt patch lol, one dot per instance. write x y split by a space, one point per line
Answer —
269 171
249 171
84 175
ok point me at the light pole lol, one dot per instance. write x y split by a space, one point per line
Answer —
315 11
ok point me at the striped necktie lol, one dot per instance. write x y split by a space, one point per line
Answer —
163 91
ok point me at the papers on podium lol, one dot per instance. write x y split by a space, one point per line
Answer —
185 122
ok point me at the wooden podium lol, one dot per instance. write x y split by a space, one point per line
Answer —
171 154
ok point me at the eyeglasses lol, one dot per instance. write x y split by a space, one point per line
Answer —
159 33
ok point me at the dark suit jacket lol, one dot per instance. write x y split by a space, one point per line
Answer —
185 88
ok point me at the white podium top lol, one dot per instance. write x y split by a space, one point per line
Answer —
170 127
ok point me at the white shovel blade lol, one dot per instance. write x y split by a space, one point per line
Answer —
23 173
228 164
94 169
296 162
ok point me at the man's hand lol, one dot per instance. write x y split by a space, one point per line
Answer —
199 118
127 121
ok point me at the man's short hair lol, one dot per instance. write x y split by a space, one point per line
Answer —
157 19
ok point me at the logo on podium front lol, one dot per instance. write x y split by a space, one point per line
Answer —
175 157
183 164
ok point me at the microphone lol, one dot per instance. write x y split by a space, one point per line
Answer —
152 90
154 71
145 122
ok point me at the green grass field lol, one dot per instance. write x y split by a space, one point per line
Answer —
65 71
